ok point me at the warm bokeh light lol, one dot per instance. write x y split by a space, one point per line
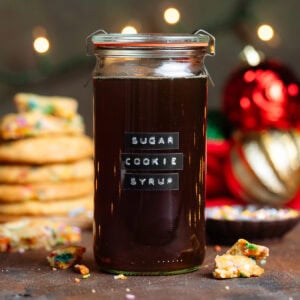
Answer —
276 91
41 44
265 32
172 15
251 55
129 30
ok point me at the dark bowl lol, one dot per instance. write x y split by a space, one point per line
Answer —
220 231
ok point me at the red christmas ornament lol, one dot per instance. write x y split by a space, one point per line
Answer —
261 97
217 152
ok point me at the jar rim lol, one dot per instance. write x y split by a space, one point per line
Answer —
150 40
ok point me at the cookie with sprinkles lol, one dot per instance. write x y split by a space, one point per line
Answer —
45 191
31 234
254 251
233 266
64 107
241 260
22 174
63 207
65 257
22 125
46 149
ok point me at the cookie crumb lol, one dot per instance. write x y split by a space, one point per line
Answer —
76 280
93 291
81 269
65 257
54 269
120 276
227 288
218 248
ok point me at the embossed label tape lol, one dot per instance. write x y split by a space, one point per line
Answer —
152 161
155 182
152 141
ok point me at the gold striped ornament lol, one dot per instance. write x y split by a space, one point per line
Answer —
264 167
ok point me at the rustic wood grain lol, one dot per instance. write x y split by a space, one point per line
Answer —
28 275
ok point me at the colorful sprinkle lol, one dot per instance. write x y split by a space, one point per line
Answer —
32 105
251 246
250 213
49 109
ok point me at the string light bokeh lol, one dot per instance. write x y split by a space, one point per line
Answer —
50 54
234 24
265 32
41 45
172 15
129 30
251 55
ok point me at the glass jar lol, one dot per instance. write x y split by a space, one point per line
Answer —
150 102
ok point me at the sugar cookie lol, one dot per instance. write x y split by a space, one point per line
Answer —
43 150
65 107
45 191
64 207
21 174
17 126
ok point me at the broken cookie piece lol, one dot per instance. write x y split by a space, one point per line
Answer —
243 247
240 261
232 266
32 234
65 257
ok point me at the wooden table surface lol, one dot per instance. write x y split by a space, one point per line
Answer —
28 275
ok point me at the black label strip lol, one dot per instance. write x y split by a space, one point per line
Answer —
152 140
151 182
152 161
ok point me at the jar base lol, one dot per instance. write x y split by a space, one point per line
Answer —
150 273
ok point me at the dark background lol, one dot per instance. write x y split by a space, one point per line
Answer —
65 69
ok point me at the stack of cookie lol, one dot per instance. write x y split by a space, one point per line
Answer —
46 167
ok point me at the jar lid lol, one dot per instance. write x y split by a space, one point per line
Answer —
101 39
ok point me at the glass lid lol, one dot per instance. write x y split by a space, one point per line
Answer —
150 40
102 39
